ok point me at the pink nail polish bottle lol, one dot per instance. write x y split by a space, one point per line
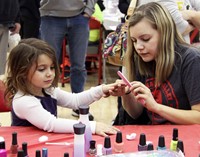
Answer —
119 144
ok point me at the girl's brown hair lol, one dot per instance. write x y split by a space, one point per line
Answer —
20 60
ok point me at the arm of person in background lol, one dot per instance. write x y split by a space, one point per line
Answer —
183 25
89 9
17 25
192 16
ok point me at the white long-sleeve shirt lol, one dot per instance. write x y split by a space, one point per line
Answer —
29 107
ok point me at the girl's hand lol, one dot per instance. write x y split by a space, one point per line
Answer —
104 129
120 88
143 95
114 89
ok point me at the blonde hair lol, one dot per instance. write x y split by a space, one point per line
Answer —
161 21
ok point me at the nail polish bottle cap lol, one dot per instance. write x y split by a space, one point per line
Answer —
99 149
79 128
66 154
161 141
24 147
107 143
150 146
180 145
37 153
119 137
142 139
84 109
175 134
20 153
14 138
2 145
92 144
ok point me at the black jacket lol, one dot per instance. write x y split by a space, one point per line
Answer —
9 11
30 9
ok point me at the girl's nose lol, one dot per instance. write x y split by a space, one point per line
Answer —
49 72
139 45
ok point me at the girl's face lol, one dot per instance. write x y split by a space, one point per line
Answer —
145 40
42 75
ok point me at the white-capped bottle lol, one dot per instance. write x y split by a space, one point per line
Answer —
84 118
79 140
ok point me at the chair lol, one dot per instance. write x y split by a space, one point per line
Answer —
3 107
94 54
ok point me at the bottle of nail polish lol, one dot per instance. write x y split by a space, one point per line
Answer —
142 146
180 147
107 146
92 150
174 141
66 154
44 152
99 150
150 147
79 140
37 153
14 146
24 148
84 118
161 143
119 144
3 153
20 153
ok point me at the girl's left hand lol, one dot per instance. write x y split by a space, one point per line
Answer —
105 129
143 95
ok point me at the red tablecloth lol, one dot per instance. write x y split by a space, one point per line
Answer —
189 134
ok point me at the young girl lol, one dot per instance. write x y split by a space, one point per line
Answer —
33 75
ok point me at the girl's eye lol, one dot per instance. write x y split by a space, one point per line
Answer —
52 67
146 39
41 69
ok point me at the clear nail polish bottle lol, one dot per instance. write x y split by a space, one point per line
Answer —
79 140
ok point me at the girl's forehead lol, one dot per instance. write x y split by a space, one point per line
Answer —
44 57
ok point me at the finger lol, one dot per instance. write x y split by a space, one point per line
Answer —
103 134
116 128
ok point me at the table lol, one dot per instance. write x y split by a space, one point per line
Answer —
189 134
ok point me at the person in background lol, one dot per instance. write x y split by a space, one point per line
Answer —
67 18
9 20
33 75
29 18
183 25
190 10
123 6
163 69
